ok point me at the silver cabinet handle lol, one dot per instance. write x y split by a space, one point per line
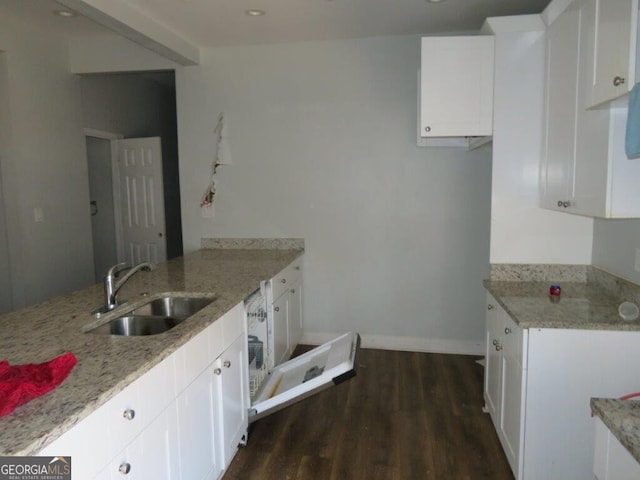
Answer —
284 280
427 129
226 364
507 330
124 468
129 414
498 347
617 81
217 371
277 309
489 307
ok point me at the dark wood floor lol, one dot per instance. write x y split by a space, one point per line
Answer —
404 416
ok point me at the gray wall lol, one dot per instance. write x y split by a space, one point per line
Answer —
6 300
43 165
135 106
614 247
323 140
103 219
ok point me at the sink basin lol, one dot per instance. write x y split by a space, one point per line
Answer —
154 317
179 307
135 325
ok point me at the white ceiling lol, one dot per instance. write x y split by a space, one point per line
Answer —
210 23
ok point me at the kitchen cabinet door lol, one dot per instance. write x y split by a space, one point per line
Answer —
294 320
153 454
512 408
560 110
456 86
584 169
505 365
493 361
614 31
197 428
281 346
611 459
231 375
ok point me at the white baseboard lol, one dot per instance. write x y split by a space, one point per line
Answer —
407 344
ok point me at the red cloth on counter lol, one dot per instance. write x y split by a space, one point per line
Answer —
21 383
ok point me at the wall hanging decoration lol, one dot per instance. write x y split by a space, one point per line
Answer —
221 157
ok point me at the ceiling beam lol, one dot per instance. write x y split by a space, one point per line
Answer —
129 22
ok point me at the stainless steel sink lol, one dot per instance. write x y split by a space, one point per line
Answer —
179 307
135 325
156 316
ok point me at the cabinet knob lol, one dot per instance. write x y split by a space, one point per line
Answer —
617 81
560 203
297 267
498 347
277 309
129 414
217 371
226 364
507 330
284 280
427 129
566 204
489 307
124 468
495 342
293 290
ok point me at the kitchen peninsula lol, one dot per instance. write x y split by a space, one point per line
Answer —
108 364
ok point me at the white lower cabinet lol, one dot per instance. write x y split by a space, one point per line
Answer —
612 461
179 421
505 362
232 384
152 454
285 301
538 386
197 427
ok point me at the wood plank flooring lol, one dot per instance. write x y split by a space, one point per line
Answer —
404 416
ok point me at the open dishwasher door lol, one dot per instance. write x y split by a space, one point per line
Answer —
329 364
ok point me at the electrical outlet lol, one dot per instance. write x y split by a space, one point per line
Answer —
637 263
38 215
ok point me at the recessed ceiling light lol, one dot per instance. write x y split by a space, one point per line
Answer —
65 13
254 12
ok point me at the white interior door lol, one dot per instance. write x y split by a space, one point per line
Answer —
142 200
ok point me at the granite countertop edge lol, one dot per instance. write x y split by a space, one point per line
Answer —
581 306
622 418
108 364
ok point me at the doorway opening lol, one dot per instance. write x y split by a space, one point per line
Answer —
123 114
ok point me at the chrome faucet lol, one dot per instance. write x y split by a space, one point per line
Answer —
111 286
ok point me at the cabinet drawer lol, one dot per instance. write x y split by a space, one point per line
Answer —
287 277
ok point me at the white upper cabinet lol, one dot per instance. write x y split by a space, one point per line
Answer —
584 167
614 30
456 86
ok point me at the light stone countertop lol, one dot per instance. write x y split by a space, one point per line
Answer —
581 306
107 364
622 417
